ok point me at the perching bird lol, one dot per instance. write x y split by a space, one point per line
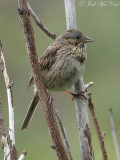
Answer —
61 65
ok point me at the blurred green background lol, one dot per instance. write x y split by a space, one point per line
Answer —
102 67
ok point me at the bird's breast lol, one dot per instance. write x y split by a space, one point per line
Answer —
65 73
80 53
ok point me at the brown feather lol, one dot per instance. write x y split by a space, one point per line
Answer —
47 60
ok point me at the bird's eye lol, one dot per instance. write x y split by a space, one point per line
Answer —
77 37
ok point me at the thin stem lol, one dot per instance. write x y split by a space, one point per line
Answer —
64 134
9 94
89 85
39 23
9 149
97 127
3 136
114 134
23 155
2 128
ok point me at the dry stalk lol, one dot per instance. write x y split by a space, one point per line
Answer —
97 127
64 134
39 23
81 106
2 128
45 98
114 134
3 136
23 154
10 152
9 95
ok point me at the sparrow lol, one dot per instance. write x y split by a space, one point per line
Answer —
61 65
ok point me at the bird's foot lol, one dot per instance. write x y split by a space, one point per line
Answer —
79 94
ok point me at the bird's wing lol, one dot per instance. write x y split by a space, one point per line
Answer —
47 60
49 57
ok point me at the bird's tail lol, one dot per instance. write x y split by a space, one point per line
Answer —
31 110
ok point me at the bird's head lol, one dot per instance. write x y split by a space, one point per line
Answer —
74 37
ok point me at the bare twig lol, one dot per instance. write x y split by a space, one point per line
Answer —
98 131
64 134
6 148
67 145
89 85
45 98
9 94
3 136
23 154
2 128
114 134
39 23
10 152
9 148
80 105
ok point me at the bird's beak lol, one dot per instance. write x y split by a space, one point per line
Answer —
87 39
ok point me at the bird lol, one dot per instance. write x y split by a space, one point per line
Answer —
61 66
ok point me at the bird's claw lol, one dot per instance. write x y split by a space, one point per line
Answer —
79 94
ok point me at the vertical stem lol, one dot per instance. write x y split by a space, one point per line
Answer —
114 134
64 135
3 136
9 149
10 98
71 21
45 98
97 128
80 105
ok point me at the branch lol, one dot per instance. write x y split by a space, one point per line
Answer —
6 148
114 134
39 23
3 136
9 94
23 154
67 145
2 128
98 131
80 105
64 134
45 99
9 148
88 85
